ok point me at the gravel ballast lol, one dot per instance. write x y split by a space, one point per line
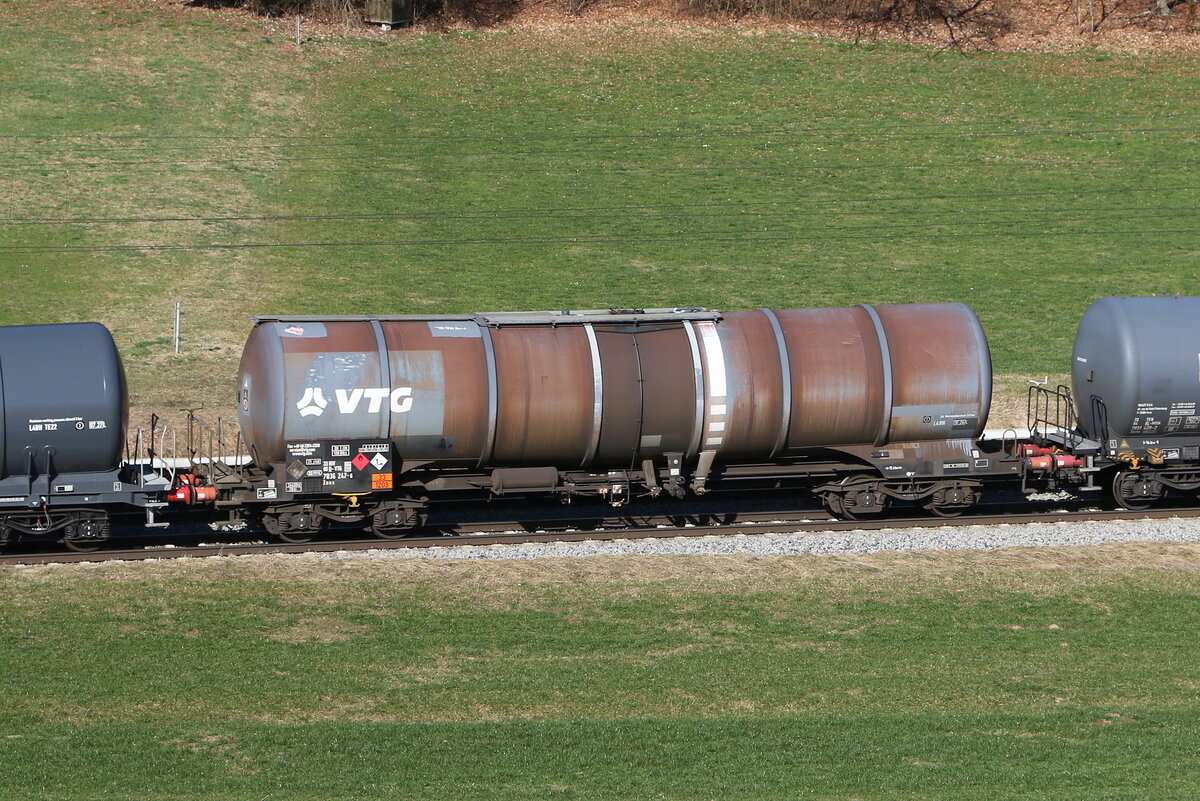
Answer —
948 538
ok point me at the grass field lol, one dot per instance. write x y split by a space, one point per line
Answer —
1019 674
161 153
155 153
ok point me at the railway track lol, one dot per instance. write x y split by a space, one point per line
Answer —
563 530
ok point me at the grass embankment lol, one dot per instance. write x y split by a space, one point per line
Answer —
586 167
1019 674
112 114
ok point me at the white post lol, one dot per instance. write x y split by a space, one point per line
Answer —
297 31
178 305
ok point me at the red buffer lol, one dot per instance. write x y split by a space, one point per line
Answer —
189 490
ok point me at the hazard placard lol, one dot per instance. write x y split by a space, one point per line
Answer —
324 466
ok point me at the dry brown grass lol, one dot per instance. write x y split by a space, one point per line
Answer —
529 584
1036 27
1010 398
321 629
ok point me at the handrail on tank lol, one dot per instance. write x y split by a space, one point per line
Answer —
206 448
1008 446
164 463
1063 426
137 454
1100 418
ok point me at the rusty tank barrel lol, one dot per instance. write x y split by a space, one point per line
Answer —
609 389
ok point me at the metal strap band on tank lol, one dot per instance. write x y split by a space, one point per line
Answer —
7 469
278 361
597 394
716 412
785 366
698 372
489 354
882 437
385 379
985 369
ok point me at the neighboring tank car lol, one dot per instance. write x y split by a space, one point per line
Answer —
1135 375
63 415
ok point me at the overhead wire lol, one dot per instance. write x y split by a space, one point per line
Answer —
769 234
666 140
776 169
683 210
961 124
569 211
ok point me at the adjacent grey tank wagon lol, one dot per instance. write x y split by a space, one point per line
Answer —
1134 401
63 421
370 420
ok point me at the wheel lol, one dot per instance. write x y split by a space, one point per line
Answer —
390 533
950 502
295 527
82 546
863 503
396 522
271 524
833 502
86 534
944 511
296 536
1134 491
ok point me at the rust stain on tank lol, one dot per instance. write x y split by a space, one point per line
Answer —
605 391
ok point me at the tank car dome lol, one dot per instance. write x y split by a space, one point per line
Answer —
63 390
1135 369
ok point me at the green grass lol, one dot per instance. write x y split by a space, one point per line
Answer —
636 165
950 756
735 171
1056 674
630 165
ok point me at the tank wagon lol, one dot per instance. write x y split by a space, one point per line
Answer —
371 420
63 417
1131 418
366 417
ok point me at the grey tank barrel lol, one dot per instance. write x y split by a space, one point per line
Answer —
1135 370
64 399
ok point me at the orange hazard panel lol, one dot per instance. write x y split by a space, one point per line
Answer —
381 481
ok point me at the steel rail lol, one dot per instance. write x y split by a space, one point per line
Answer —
487 534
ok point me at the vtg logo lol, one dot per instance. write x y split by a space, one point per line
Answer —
313 402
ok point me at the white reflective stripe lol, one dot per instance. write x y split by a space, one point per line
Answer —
717 384
714 360
597 393
698 373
